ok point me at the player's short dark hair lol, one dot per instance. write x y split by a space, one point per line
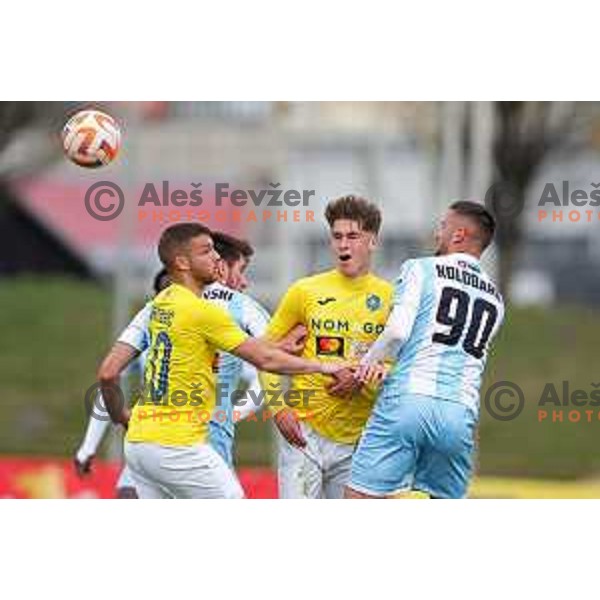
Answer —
176 236
354 208
161 281
480 216
230 248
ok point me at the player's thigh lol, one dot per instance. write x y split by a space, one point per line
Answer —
199 472
446 462
385 459
337 469
148 489
299 471
141 462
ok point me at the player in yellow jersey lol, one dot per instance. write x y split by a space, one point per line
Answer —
166 445
344 310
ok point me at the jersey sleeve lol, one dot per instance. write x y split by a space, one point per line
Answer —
98 423
408 285
405 305
136 333
219 328
290 312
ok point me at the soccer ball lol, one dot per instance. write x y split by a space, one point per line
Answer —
91 138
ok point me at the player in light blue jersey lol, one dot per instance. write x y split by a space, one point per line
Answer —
253 319
446 311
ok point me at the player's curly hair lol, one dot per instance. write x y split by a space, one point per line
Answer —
354 208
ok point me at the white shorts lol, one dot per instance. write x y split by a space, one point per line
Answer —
180 472
320 470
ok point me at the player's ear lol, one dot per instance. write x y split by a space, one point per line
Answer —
373 241
222 269
181 262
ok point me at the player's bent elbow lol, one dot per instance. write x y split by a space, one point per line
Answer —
107 373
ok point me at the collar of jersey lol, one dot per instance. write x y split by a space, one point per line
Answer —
466 256
183 287
354 282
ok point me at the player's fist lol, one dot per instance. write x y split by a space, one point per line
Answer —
371 373
344 383
289 426
294 340
83 466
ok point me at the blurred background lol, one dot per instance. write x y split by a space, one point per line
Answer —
69 283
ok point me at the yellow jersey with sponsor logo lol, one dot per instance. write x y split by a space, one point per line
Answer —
344 317
178 398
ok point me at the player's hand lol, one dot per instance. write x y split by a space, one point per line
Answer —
83 467
294 340
375 373
289 426
124 417
333 368
344 383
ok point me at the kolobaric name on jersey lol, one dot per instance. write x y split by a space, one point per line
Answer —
471 279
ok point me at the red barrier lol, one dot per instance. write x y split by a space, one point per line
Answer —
56 478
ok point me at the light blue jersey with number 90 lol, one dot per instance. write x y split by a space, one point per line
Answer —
455 311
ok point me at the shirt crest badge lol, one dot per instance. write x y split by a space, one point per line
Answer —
373 302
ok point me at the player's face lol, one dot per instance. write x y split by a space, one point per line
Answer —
232 274
202 259
450 231
352 247
236 277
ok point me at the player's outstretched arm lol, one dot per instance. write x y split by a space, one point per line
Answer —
267 357
112 366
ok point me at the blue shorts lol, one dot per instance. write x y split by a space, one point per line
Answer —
415 443
222 442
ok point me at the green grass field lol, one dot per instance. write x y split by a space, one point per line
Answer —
55 330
